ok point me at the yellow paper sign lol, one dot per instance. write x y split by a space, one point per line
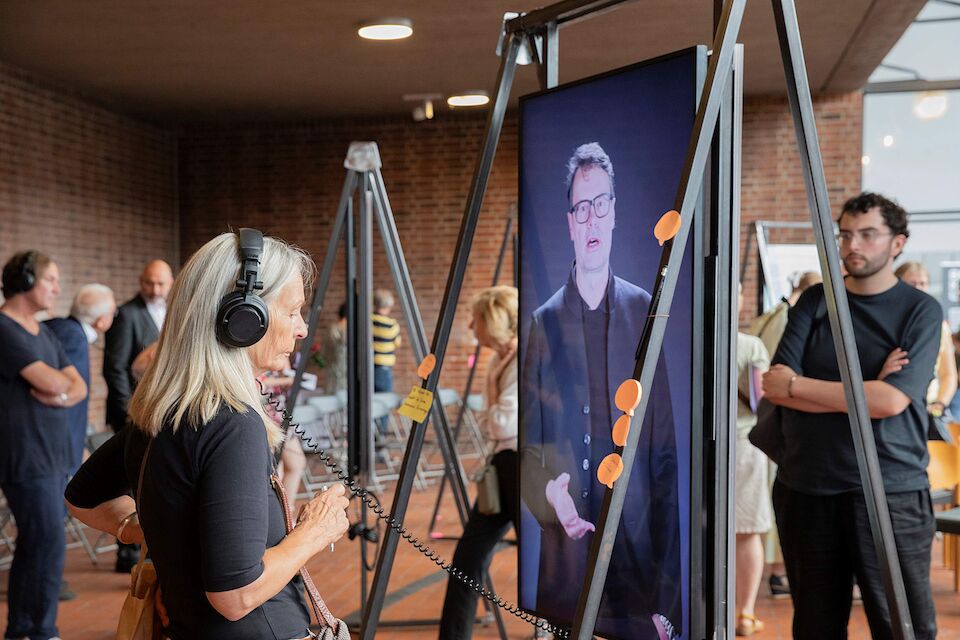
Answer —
416 406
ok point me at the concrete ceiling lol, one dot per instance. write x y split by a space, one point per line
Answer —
201 60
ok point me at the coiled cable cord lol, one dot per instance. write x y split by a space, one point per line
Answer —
374 504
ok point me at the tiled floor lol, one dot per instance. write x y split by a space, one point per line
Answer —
92 615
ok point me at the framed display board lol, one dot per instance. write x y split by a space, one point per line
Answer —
600 162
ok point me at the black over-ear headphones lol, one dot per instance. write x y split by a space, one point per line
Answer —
21 276
243 317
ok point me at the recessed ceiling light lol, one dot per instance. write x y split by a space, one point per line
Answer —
864 160
469 99
888 140
386 29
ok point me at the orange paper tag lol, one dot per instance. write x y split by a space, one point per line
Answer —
667 226
620 430
628 396
610 469
416 406
426 367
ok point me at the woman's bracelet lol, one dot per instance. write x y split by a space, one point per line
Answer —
123 525
790 386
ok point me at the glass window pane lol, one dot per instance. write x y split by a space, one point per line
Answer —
911 148
930 50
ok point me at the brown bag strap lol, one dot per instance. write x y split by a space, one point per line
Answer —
319 606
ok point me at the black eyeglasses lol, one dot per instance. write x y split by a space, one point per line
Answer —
867 236
600 206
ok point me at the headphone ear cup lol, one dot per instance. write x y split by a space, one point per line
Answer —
242 320
27 280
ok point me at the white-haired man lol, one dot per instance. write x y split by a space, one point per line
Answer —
91 314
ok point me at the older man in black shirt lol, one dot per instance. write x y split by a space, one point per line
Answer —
818 497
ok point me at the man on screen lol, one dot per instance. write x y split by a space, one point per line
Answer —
580 347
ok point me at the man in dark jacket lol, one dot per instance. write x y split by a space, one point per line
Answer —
580 347
135 328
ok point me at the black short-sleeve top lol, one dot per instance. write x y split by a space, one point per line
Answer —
208 513
34 437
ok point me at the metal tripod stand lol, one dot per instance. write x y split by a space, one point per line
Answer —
364 182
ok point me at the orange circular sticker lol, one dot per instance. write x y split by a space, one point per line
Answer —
667 226
426 367
610 469
620 430
628 396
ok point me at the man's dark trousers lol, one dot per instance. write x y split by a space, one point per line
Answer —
827 541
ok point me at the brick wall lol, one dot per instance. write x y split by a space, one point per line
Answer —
100 191
287 180
772 184
93 189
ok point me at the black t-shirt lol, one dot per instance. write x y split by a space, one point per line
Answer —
34 437
208 513
818 456
600 439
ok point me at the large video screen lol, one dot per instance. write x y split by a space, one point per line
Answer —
600 163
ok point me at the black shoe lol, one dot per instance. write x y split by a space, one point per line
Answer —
779 587
65 592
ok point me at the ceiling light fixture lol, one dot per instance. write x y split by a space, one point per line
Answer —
475 98
888 140
386 29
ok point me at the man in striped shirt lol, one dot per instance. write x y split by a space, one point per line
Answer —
386 339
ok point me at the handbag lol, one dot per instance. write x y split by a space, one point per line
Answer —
488 489
767 434
333 628
139 619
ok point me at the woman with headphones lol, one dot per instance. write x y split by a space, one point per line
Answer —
36 383
199 452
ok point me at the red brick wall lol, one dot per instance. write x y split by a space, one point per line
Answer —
100 191
286 180
93 189
772 184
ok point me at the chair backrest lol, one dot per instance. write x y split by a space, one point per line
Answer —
944 466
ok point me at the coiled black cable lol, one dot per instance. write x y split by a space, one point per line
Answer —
374 504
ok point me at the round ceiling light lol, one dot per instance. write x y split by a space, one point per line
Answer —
386 29
469 99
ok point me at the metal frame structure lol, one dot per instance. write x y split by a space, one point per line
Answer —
508 237
541 29
364 181
758 232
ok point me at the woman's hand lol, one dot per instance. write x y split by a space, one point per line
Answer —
324 518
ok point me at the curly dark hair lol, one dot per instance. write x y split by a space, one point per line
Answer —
893 214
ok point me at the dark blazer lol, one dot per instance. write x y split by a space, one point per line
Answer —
133 331
71 335
644 576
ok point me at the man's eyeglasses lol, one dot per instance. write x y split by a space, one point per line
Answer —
600 206
867 236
